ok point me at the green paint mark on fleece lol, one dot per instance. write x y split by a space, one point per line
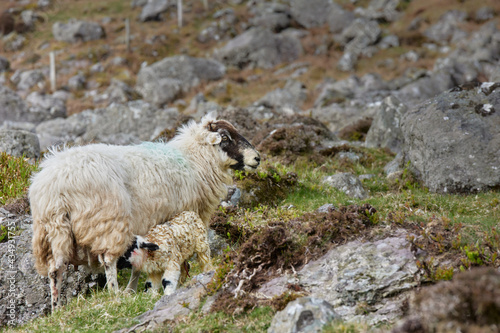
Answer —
160 149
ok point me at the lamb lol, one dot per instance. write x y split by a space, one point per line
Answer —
89 202
166 248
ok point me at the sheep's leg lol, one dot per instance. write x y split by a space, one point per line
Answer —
57 268
170 278
109 262
134 280
153 282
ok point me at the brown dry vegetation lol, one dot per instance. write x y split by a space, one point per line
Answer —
279 246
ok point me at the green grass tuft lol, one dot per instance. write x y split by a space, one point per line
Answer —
15 173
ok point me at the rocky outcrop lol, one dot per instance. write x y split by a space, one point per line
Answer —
122 124
452 141
165 80
259 47
447 28
24 294
364 281
15 113
77 31
19 143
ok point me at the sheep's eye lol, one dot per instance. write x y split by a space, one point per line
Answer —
224 137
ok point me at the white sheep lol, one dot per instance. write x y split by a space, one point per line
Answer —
89 202
165 249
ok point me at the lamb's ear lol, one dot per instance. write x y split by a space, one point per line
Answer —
149 246
142 243
213 138
209 118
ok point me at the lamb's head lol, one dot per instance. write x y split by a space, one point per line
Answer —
242 155
137 254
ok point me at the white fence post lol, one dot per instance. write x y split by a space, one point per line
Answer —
127 33
52 71
179 13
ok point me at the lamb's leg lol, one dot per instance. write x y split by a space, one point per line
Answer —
134 280
57 268
170 278
109 262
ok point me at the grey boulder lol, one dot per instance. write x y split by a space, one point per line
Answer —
261 48
347 183
163 81
18 143
310 13
40 103
305 314
383 10
453 140
153 8
32 292
75 31
447 28
291 96
25 80
14 110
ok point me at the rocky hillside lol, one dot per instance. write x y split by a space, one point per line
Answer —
379 126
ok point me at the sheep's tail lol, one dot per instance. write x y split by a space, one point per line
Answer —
56 249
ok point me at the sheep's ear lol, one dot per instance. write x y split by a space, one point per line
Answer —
213 138
209 118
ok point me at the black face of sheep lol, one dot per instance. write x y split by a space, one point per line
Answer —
238 148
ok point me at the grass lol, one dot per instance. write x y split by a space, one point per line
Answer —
257 320
14 177
101 311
